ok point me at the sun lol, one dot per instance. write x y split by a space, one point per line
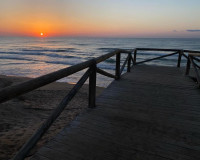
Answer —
41 34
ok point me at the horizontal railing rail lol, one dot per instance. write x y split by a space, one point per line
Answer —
92 69
176 51
19 89
193 59
148 60
16 90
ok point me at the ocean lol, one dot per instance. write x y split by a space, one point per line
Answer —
33 57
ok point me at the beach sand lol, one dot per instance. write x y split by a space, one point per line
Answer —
22 116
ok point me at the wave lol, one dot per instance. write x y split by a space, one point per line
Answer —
51 50
80 44
61 62
18 58
107 49
39 54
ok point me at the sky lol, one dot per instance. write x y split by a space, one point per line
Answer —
101 18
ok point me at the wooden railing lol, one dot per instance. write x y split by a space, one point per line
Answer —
91 66
175 51
193 58
92 69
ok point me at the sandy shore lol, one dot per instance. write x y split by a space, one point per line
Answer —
21 116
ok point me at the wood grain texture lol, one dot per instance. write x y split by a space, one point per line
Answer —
152 113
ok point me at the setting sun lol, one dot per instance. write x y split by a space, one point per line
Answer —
41 34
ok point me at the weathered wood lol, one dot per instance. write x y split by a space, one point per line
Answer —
151 113
148 60
16 90
129 63
117 69
45 126
180 53
188 67
195 69
106 56
135 56
158 49
92 86
194 54
132 60
19 89
100 71
124 64
191 51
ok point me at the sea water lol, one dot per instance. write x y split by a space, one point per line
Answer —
33 57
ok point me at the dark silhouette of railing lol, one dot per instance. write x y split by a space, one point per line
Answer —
179 52
92 69
193 58
16 90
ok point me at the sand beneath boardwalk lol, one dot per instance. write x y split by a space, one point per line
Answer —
20 117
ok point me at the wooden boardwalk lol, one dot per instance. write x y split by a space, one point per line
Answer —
152 113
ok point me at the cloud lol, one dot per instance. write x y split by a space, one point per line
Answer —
193 30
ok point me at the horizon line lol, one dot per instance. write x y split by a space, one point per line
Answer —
84 36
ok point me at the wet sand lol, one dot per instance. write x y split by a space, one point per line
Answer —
22 116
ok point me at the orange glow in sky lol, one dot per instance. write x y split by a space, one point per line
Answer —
127 18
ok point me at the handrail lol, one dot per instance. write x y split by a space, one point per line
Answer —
157 58
180 53
19 89
125 62
191 59
192 55
191 51
7 93
16 90
45 126
157 49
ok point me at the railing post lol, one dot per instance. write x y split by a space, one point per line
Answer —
188 66
195 69
129 63
92 86
117 69
179 58
135 54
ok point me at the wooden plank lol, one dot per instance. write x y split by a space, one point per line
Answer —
151 113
